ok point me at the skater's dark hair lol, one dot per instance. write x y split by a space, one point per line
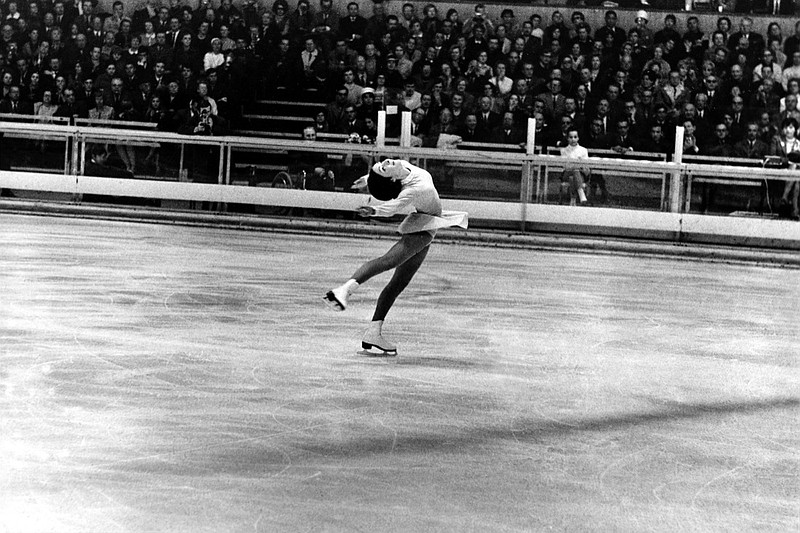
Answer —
383 188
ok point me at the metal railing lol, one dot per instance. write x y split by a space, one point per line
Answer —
469 174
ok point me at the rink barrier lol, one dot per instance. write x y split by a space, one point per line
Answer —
523 213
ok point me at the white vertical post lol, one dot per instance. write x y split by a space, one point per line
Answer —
527 174
531 136
676 180
380 139
405 129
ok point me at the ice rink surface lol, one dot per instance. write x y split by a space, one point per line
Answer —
160 378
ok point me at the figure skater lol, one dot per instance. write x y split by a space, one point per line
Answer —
403 187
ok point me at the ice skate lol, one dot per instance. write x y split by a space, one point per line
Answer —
374 344
337 298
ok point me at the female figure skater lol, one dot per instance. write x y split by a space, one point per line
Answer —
402 186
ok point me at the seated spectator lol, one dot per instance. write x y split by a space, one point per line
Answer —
471 131
764 98
214 58
792 71
673 94
100 110
721 145
71 107
656 142
751 147
488 119
419 127
690 144
503 83
781 146
334 111
575 173
353 89
509 131
46 108
350 123
444 133
14 104
368 107
793 88
311 67
321 123
622 142
98 165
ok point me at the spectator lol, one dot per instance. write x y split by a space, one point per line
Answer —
321 123
656 142
335 111
791 72
113 22
101 111
186 55
354 90
98 165
768 60
311 66
214 58
13 104
690 143
301 21
471 131
755 40
71 107
575 172
765 99
751 147
510 131
738 119
350 123
610 30
353 27
325 23
444 133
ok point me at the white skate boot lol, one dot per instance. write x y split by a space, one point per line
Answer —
337 298
374 343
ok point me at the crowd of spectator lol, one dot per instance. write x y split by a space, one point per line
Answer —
164 64
476 77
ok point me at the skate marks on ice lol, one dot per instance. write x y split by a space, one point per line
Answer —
184 373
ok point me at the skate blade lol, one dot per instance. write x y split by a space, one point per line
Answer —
332 302
377 352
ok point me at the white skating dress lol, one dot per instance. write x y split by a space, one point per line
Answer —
419 198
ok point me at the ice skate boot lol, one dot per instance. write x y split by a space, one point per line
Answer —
374 343
337 298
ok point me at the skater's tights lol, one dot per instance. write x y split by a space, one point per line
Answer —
406 256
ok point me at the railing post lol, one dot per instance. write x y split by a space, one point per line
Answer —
676 180
527 173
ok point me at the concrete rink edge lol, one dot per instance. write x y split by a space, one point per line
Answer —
387 230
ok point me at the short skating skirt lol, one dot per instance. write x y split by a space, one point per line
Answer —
418 222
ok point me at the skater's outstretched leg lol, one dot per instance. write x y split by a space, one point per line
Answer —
407 247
